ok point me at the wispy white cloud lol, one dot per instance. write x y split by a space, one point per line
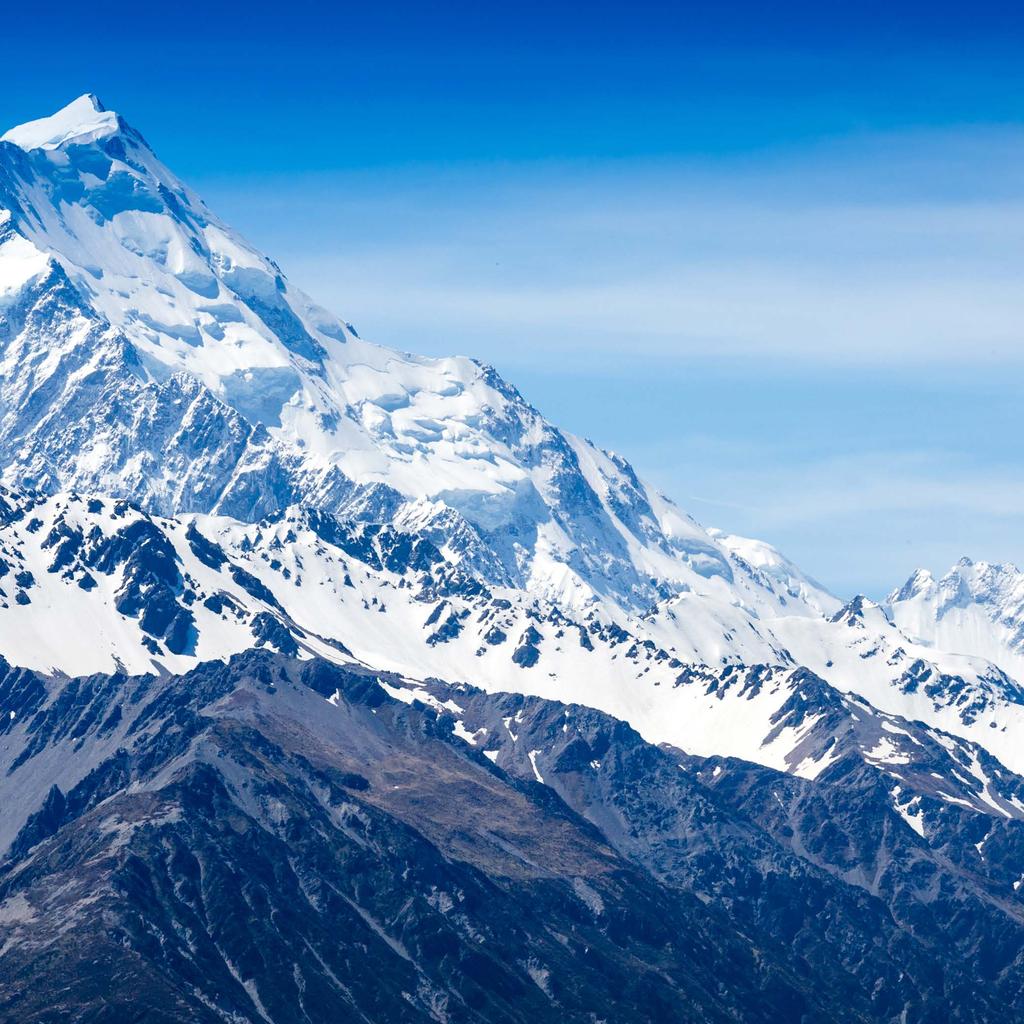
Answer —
876 260
862 520
701 309
881 253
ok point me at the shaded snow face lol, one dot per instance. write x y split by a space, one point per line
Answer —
220 388
977 608
148 352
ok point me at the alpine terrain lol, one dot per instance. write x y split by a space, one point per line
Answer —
336 683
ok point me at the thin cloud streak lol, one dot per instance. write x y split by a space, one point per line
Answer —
699 310
838 256
841 323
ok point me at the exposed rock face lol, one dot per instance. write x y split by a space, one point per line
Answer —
284 840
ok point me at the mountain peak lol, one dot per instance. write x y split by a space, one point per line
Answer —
857 610
82 120
920 581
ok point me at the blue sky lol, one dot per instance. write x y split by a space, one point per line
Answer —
771 255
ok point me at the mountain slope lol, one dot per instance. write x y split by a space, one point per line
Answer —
149 353
129 591
363 890
337 680
226 390
193 833
977 608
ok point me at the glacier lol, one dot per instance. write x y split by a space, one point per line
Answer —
149 354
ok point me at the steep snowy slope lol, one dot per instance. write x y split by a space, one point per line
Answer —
220 388
296 486
976 608
774 565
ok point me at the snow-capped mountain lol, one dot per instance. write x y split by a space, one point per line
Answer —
200 459
220 388
313 652
134 592
977 608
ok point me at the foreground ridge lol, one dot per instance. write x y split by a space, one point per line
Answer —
601 875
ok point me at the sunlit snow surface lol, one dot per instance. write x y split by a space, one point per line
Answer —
149 352
82 120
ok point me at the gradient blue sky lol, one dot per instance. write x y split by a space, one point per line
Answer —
771 253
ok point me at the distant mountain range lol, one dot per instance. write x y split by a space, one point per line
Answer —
323 660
